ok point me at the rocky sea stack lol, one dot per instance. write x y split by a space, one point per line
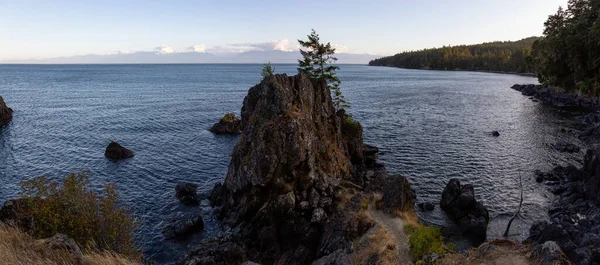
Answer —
5 113
282 193
229 124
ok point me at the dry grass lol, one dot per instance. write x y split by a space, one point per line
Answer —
18 248
409 217
504 252
378 247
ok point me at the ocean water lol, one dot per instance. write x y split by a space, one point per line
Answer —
431 126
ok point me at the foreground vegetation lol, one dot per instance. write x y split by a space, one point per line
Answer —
95 221
568 55
17 247
494 56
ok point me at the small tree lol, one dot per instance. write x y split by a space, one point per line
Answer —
267 70
316 61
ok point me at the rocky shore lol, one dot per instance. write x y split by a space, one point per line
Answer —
574 223
296 185
558 97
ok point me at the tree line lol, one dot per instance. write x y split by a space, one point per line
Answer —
507 56
568 54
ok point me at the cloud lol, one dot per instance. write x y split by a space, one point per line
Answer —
164 49
341 48
274 45
197 48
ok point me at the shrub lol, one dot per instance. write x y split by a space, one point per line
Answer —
229 117
94 221
423 240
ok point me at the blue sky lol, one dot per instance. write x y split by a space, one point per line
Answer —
44 29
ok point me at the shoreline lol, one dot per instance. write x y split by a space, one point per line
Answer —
575 210
461 70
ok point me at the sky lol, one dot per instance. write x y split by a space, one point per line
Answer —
32 29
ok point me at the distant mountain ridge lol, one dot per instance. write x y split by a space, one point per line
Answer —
501 56
274 56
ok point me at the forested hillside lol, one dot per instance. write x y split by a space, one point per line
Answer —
504 56
568 55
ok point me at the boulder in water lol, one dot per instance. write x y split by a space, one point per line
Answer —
426 206
116 151
182 228
459 203
229 124
187 193
5 113
495 133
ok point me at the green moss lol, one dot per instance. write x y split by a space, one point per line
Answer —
229 117
424 240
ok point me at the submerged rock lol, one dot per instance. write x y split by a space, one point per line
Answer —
495 133
5 113
458 201
187 193
229 124
426 206
116 151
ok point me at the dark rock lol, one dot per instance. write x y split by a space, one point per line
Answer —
426 206
14 212
5 113
458 201
371 154
563 146
116 151
229 124
495 133
187 193
182 228
548 251
591 179
60 241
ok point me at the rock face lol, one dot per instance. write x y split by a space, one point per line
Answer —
229 124
187 193
459 203
285 178
117 152
5 113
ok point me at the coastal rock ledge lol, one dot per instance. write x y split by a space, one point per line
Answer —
282 196
5 113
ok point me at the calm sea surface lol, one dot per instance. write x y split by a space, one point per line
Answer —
430 125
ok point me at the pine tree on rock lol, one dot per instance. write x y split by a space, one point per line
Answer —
316 63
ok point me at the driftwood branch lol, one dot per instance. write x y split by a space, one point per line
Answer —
518 210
